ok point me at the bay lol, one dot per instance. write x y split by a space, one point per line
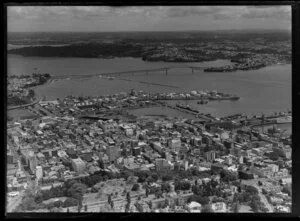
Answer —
266 90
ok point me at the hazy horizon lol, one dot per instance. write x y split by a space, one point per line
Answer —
220 30
147 18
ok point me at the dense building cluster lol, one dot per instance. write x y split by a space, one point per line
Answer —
216 164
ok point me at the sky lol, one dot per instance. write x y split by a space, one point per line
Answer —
142 18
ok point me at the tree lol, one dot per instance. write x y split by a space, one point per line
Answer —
197 190
274 156
77 190
167 177
29 204
131 180
135 187
31 93
70 202
154 177
236 207
139 207
126 174
79 207
109 199
228 176
254 205
112 204
264 191
158 193
39 198
182 185
199 199
166 187
101 164
252 190
128 198
58 203
217 199
206 209
287 189
127 207
150 179
150 204
142 176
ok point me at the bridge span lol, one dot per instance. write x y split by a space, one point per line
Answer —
145 71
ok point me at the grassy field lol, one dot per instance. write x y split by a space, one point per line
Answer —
116 187
18 114
245 209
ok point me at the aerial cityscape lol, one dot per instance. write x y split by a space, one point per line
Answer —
169 109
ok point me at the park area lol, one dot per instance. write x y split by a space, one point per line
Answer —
116 188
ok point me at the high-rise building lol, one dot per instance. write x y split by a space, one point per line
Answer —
174 144
78 165
186 165
157 146
210 155
32 162
136 151
206 140
39 172
113 153
162 164
197 141
108 126
10 156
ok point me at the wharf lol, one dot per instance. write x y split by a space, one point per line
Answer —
198 115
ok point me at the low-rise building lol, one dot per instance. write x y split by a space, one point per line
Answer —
219 207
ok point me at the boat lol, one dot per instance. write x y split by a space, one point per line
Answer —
234 98
202 102
111 78
187 108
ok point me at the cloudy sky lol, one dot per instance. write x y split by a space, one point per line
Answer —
152 18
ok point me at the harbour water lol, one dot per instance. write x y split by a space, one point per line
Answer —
266 90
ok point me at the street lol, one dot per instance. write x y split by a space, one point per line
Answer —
254 183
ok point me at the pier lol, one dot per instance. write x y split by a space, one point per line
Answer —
197 115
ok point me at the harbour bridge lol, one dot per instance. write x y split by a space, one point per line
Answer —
164 70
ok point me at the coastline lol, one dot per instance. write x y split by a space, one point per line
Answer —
37 98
